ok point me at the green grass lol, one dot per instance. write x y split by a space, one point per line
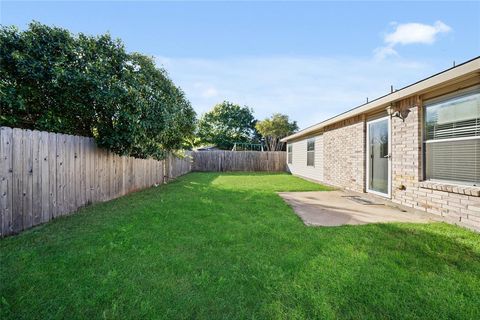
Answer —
212 246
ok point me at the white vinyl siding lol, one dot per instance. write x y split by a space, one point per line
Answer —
299 159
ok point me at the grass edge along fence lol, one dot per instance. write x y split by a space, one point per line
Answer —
46 175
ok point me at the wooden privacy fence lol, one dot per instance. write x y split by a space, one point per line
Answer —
46 175
239 161
178 166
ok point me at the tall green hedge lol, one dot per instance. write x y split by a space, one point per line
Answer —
53 80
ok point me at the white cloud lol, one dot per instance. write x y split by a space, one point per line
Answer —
410 33
308 89
383 52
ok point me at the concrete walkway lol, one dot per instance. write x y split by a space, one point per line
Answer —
336 208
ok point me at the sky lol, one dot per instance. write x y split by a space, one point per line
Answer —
309 60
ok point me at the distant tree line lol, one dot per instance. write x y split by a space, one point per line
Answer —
228 124
53 80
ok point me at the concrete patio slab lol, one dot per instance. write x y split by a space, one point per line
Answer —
336 208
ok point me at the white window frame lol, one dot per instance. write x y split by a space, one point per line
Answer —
289 153
389 163
311 151
434 101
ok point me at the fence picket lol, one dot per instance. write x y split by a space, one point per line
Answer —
43 158
6 181
36 179
60 169
52 175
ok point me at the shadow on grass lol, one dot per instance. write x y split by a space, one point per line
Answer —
226 246
393 271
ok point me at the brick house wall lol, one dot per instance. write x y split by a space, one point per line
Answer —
458 204
344 154
407 163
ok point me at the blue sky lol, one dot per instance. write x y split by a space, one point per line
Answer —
310 60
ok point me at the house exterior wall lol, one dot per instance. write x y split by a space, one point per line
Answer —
344 165
299 159
458 204
344 150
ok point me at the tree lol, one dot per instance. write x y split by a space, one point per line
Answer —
192 141
55 81
226 124
274 129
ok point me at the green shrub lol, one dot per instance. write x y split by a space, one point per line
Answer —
53 80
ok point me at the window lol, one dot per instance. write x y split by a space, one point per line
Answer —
289 153
452 139
311 152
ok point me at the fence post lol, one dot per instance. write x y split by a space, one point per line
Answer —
166 168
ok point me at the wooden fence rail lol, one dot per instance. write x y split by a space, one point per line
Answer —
219 161
46 175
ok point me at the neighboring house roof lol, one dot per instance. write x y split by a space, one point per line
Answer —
460 71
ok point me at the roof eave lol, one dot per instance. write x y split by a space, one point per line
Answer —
462 70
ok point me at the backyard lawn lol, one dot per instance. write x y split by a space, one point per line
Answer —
226 246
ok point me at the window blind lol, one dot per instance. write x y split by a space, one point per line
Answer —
452 133
456 161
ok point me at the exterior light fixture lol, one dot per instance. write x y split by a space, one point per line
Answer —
402 114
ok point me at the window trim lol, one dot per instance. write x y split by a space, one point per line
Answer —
452 139
289 153
367 155
451 95
311 151
427 103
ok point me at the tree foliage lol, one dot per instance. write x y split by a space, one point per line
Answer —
226 124
55 81
274 129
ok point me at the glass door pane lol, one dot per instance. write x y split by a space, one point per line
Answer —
378 140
